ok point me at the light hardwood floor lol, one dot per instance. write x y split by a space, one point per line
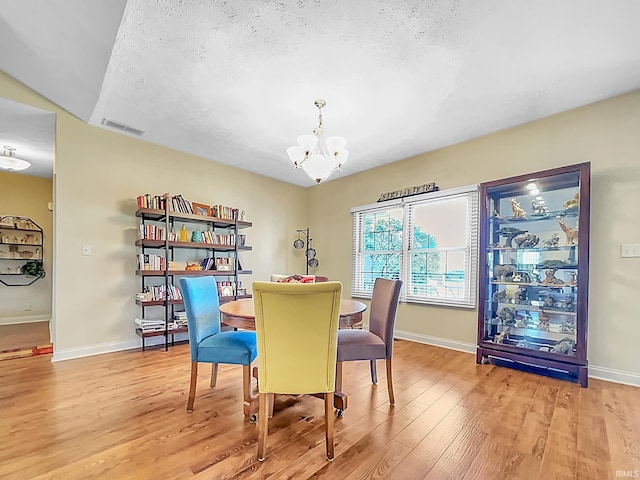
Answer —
23 335
123 415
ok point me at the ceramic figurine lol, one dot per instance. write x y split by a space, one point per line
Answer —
550 278
500 272
501 337
538 208
570 233
573 203
552 241
510 233
544 322
525 240
500 296
521 295
564 346
516 208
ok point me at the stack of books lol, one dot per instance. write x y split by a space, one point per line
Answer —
180 319
149 325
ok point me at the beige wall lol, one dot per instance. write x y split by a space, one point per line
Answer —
98 176
606 133
28 196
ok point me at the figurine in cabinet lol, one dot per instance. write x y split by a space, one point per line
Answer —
502 336
550 278
570 233
500 272
526 240
564 346
552 241
521 295
538 209
510 233
568 326
573 281
522 344
572 203
516 208
544 322
500 296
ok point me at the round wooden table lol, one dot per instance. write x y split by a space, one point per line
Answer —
241 313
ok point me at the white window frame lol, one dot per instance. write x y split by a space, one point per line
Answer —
407 205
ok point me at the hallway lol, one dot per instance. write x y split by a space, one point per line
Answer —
24 340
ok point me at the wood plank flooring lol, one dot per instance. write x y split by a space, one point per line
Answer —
123 416
24 335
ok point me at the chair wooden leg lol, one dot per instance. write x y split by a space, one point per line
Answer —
214 375
246 382
263 425
392 399
328 423
192 387
374 372
338 376
272 400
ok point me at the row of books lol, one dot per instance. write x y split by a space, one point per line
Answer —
177 203
151 262
153 293
152 201
152 232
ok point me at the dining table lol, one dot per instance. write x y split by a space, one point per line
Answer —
241 314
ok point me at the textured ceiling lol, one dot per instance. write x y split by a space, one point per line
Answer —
235 81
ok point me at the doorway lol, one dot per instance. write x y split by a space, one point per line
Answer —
26 133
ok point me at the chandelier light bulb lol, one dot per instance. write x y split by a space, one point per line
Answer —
317 156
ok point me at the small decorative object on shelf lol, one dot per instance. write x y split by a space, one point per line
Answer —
518 211
533 310
177 238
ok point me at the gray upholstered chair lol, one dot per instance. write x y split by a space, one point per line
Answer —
377 342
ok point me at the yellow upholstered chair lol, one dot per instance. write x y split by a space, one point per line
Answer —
297 330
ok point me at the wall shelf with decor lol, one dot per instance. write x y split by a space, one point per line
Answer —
534 279
174 242
21 247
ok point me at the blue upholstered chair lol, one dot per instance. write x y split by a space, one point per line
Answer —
207 343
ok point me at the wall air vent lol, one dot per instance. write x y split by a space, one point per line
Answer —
122 127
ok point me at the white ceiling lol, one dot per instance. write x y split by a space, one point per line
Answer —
235 81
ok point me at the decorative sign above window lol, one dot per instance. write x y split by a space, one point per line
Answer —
407 192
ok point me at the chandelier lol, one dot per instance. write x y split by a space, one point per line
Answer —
9 161
317 156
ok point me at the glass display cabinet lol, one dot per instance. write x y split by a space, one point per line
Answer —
534 270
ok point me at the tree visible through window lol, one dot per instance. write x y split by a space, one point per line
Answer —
434 262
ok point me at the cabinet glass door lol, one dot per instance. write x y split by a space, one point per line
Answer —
532 264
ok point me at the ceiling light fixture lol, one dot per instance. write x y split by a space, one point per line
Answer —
8 160
317 156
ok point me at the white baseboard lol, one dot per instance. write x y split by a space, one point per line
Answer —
29 319
436 341
71 353
599 373
615 376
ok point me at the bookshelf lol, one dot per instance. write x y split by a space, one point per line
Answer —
174 242
21 251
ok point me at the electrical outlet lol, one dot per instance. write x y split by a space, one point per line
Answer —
27 307
630 250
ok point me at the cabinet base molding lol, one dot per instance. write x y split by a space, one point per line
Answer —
580 372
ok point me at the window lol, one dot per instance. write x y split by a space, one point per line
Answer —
428 241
